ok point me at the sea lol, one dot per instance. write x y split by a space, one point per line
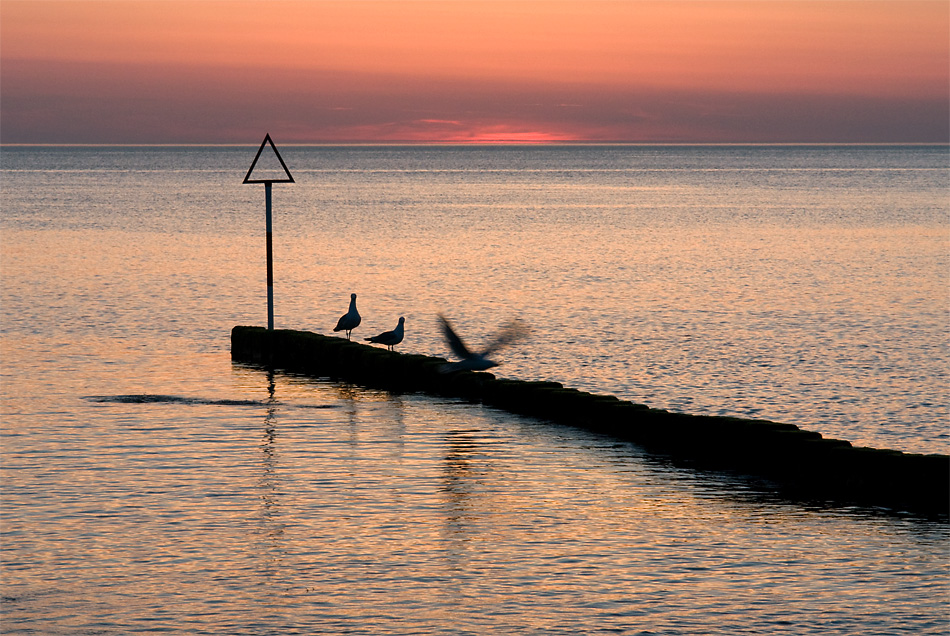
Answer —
151 485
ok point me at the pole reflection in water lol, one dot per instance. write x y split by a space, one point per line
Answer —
269 485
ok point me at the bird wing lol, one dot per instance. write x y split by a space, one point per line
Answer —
508 334
383 337
346 321
455 343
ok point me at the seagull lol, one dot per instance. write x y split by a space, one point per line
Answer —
513 331
391 338
350 320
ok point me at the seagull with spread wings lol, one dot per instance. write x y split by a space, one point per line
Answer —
478 360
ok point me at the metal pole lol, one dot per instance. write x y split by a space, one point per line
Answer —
270 261
267 195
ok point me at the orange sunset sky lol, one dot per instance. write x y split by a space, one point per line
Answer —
170 72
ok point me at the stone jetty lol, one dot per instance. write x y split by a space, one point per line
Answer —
799 464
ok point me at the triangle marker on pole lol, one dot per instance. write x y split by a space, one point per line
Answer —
288 178
268 186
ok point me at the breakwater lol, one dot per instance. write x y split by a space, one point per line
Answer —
801 464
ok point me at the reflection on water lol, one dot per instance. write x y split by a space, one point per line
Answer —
404 514
463 468
269 454
149 484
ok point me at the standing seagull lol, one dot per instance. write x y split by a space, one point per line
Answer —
391 338
350 320
513 331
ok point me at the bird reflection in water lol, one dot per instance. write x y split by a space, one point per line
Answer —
349 395
398 434
461 480
362 405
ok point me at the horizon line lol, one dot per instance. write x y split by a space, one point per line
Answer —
474 143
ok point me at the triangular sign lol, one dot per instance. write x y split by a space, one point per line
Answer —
269 171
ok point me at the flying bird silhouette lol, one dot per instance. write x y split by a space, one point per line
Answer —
478 361
391 338
350 320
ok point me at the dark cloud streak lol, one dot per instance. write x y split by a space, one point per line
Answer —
45 102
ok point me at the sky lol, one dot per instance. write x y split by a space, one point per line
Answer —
460 71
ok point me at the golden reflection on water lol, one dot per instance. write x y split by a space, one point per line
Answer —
463 467
254 501
321 504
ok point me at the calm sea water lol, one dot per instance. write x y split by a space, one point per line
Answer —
149 484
